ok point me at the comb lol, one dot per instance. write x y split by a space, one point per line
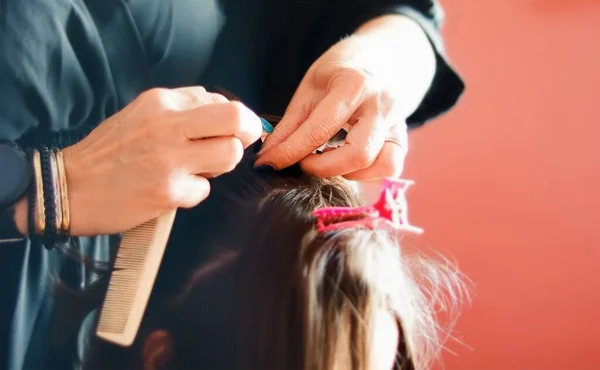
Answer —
136 266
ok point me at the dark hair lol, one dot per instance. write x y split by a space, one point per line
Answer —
248 283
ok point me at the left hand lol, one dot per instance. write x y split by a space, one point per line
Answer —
372 80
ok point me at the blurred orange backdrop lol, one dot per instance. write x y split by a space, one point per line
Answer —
508 183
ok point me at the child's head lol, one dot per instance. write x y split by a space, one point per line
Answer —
264 290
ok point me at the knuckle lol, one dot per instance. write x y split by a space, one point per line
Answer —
233 152
234 115
157 95
362 157
391 166
216 98
385 102
285 160
202 192
196 94
282 156
200 90
355 80
319 134
179 190
172 193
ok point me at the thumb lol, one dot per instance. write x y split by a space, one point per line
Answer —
296 113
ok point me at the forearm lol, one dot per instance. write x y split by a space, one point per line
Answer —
397 49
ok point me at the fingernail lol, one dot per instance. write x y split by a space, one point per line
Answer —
265 168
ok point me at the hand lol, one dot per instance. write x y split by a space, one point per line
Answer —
372 81
154 156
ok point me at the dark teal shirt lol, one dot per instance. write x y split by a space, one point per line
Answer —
67 65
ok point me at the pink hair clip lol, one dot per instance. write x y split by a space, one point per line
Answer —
389 211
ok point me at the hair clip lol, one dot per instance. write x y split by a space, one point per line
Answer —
267 126
338 140
390 210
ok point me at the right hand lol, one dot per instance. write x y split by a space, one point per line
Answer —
153 156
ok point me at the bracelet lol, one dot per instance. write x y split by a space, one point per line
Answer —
49 217
32 197
38 210
49 196
56 190
65 225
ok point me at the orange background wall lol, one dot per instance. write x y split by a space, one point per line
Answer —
508 183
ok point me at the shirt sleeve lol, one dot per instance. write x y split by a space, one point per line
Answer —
65 66
337 20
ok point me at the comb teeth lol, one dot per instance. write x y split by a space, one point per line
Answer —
131 282
125 279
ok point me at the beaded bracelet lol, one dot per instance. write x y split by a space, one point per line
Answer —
48 216
56 191
49 234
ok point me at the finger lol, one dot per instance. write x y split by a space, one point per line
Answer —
359 152
190 190
177 100
389 163
363 143
324 122
198 96
213 156
296 113
226 119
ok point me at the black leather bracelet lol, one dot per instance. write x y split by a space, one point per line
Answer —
50 235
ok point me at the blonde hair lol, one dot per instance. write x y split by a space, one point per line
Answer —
355 273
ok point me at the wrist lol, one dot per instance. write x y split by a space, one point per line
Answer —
78 203
396 48
399 34
69 203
